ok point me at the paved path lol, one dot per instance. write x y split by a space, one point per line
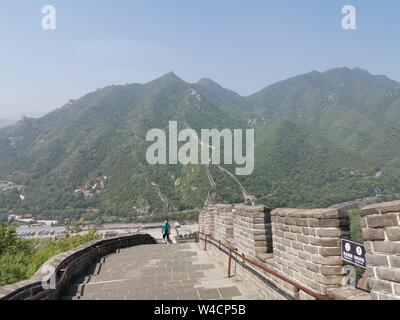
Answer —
160 272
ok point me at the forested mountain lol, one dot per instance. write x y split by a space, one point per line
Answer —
321 138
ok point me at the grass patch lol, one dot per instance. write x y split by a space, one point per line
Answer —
355 225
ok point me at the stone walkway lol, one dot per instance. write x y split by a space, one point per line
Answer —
160 272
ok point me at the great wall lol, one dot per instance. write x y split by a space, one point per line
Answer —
295 254
242 252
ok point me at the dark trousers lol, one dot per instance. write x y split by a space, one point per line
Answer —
165 236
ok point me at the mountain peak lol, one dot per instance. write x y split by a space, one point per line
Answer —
357 71
169 77
207 82
359 74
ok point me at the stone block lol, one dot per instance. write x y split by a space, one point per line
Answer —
380 220
328 232
381 285
313 222
332 261
305 256
330 251
393 206
286 242
290 235
368 246
287 271
278 233
311 249
373 234
329 280
277 219
332 270
282 227
377 260
363 223
386 247
395 261
289 221
396 288
312 267
292 251
332 223
303 238
293 266
309 232
393 233
325 242
301 222
296 229
267 238
388 274
279 247
300 262
298 246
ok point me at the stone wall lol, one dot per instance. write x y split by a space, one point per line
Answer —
223 223
307 246
67 266
381 232
206 220
267 285
252 230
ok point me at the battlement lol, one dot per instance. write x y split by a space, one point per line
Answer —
381 232
295 254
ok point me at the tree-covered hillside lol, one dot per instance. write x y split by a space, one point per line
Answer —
321 138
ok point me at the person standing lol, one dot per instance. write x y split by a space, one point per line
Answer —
166 231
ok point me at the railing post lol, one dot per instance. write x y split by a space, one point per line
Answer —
229 263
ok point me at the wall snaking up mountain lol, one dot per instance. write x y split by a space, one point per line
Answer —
321 138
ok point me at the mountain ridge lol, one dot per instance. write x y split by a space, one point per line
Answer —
320 139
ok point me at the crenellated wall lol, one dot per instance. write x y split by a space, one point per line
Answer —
307 246
305 263
381 232
252 230
206 219
223 222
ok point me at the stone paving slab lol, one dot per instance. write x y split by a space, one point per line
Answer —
160 272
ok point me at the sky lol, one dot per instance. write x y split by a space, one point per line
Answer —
243 45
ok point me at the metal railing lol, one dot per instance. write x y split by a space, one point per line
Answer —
234 251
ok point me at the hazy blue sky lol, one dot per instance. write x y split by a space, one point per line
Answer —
243 45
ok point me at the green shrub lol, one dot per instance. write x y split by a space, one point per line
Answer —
21 258
355 225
